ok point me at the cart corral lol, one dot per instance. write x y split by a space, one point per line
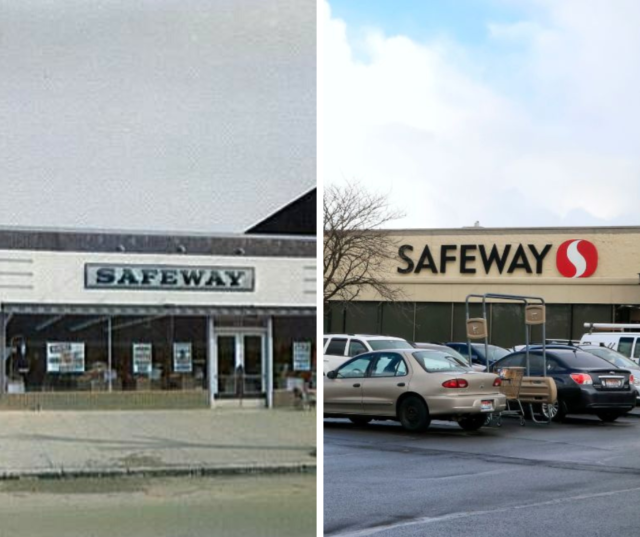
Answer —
521 389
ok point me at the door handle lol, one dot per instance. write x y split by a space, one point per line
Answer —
356 385
401 385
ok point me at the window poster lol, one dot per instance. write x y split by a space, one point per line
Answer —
182 358
65 357
302 356
142 358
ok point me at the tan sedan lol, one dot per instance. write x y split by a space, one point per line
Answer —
411 386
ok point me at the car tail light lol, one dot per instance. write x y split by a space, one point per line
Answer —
582 378
632 379
497 382
455 383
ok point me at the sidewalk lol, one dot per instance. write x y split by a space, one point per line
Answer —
156 442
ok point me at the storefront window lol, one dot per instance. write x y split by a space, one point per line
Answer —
294 351
98 353
56 353
159 353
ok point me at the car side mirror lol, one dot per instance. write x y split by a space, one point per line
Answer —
332 374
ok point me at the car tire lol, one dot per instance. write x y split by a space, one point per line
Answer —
472 423
609 416
413 414
360 421
558 410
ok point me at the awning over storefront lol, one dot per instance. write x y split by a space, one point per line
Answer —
122 310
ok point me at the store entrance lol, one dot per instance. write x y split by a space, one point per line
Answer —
241 365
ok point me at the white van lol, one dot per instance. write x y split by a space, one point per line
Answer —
627 343
338 348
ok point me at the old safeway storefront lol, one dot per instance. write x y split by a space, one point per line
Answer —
132 320
584 274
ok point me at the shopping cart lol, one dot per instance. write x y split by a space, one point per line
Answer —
511 383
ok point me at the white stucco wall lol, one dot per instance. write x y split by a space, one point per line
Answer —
58 278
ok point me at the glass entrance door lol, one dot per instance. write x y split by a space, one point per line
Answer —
253 377
240 365
226 366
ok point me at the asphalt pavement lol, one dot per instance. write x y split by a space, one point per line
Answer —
578 479
156 442
269 506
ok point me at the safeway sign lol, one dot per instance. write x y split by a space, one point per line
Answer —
575 258
180 278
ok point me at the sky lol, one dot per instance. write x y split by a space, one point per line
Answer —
504 112
176 115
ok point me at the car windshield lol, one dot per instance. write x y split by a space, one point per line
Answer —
495 353
386 344
438 362
613 357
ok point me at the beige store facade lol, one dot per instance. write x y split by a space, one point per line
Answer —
134 320
583 274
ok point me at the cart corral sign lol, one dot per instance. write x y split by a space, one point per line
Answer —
168 277
576 258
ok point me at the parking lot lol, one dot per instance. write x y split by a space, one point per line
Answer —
579 478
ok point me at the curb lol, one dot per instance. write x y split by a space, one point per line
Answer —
167 471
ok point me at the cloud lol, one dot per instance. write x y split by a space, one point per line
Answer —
539 134
191 115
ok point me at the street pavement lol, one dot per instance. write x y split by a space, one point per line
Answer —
580 478
156 442
269 506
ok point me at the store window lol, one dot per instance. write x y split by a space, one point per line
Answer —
100 353
294 351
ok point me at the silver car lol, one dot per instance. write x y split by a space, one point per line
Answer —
619 360
411 386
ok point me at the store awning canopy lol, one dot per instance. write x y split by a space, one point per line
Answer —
176 310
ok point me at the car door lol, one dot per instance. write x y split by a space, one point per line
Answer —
356 347
343 394
388 378
334 355
636 351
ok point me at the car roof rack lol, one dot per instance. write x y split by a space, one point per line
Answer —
612 327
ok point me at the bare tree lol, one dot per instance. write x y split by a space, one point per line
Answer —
355 249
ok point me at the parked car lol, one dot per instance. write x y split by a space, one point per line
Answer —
587 384
338 348
619 360
463 360
626 343
478 352
413 387
611 356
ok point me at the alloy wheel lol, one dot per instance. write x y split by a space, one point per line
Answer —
550 411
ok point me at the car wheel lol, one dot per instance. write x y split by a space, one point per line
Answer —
556 411
609 416
360 421
472 423
413 414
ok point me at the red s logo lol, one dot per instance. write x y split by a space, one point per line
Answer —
577 258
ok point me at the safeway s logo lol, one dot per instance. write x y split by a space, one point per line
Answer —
577 258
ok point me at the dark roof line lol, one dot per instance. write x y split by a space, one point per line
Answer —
156 243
